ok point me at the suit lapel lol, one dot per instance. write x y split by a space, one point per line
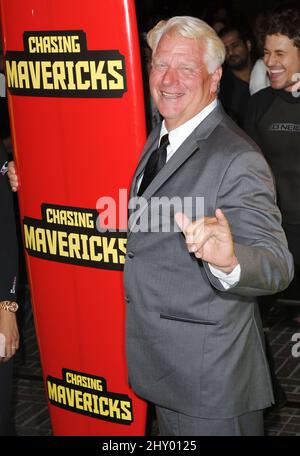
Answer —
193 143
150 146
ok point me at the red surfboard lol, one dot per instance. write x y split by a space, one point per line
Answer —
77 112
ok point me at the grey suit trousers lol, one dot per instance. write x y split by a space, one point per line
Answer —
172 423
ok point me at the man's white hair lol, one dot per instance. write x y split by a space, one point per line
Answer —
191 27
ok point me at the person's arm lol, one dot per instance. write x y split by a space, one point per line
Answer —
247 198
13 177
9 336
247 231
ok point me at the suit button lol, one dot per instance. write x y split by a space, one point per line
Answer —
130 255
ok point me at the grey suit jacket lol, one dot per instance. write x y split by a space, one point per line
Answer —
193 346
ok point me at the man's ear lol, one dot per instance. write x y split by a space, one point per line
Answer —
249 45
215 79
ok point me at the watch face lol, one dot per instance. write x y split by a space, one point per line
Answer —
13 306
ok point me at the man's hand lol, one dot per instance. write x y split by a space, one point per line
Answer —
12 176
296 87
210 239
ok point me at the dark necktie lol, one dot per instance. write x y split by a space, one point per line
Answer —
155 163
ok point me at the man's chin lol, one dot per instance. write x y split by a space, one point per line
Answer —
168 113
277 85
236 65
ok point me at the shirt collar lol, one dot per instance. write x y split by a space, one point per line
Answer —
179 134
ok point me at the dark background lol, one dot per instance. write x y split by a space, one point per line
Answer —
150 11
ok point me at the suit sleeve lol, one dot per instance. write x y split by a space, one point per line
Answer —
247 197
9 248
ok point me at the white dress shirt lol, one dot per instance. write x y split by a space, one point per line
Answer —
176 138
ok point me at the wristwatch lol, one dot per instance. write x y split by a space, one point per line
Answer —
11 306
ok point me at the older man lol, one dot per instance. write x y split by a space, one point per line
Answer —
194 336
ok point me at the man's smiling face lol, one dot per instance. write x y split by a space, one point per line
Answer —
283 61
179 81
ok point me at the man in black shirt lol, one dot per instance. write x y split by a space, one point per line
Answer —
273 121
234 89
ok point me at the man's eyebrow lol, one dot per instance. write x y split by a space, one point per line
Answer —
237 41
275 50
